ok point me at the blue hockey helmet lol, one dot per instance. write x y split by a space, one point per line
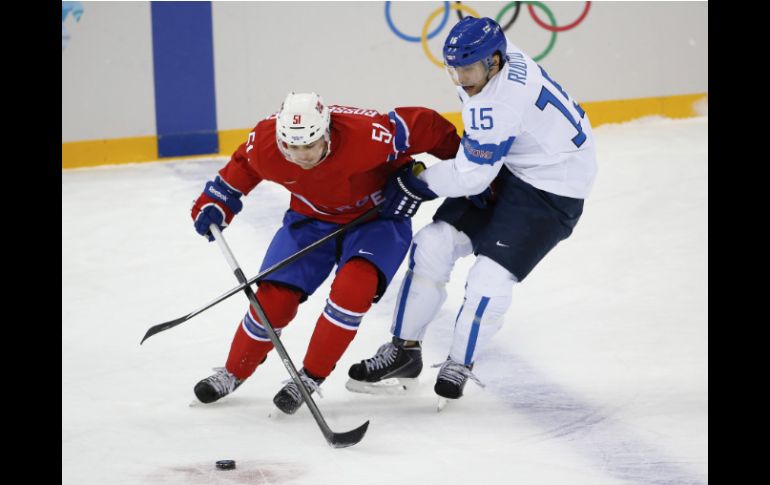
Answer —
473 39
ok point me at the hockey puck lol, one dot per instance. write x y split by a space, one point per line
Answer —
226 464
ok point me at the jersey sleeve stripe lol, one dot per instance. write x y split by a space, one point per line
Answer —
486 153
401 138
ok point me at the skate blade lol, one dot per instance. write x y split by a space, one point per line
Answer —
441 404
392 386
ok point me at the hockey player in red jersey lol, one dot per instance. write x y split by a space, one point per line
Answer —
335 161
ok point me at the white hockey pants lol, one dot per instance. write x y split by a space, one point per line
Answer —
435 249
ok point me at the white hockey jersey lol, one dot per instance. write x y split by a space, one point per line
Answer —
524 120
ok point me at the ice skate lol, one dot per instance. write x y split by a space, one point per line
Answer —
289 399
216 386
451 381
392 370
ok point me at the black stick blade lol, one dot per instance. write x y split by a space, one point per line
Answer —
350 438
161 327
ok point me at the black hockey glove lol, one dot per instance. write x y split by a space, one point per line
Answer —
404 192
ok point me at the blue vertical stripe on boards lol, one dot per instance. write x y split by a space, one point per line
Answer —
183 61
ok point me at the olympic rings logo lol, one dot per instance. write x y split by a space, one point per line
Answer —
553 28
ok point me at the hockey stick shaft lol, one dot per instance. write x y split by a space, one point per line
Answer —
281 264
337 440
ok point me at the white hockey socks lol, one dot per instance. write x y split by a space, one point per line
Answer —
487 298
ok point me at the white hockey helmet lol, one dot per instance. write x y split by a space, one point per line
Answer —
303 119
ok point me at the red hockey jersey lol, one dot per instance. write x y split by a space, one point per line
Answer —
366 148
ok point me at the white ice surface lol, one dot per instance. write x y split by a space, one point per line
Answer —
599 375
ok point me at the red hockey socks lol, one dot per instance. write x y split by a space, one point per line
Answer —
251 342
351 295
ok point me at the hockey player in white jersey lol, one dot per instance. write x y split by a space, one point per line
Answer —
514 190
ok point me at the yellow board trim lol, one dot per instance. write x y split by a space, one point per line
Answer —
619 111
145 148
107 152
230 140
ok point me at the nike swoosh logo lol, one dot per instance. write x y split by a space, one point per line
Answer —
502 245
361 251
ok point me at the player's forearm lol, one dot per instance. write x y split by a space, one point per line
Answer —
446 180
239 174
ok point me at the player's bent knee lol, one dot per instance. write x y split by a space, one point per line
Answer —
489 278
436 248
279 302
355 285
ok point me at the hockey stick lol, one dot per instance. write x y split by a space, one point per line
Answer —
336 440
173 323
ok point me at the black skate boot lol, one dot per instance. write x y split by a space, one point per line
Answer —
451 380
217 386
393 369
289 399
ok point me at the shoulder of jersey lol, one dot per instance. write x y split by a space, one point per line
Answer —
350 119
509 92
265 130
